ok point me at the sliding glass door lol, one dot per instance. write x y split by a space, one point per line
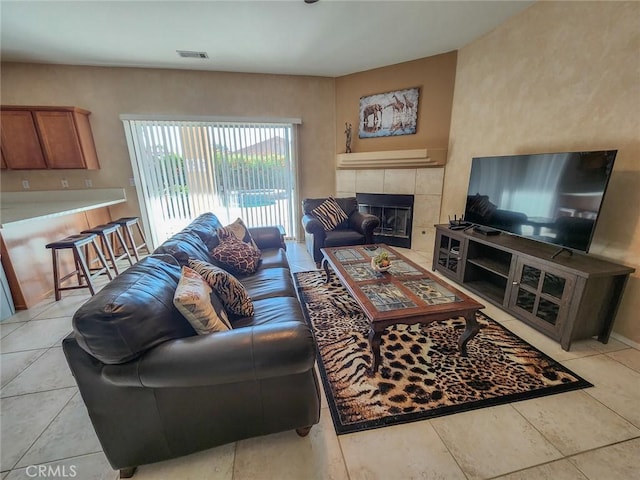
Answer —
234 169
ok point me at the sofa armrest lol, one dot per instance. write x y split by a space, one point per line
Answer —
244 354
312 225
268 237
364 223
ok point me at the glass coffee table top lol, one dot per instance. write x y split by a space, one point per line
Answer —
387 296
431 292
363 271
360 254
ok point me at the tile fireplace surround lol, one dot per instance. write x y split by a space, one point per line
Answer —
424 183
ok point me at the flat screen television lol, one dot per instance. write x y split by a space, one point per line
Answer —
552 197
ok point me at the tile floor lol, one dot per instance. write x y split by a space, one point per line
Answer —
590 434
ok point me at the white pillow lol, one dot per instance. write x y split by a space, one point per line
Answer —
193 299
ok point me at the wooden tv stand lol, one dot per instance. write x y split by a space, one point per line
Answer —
567 297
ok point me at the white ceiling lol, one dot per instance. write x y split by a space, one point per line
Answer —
328 38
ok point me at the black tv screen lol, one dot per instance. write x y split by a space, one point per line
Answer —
551 197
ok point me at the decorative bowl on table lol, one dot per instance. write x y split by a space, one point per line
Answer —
381 262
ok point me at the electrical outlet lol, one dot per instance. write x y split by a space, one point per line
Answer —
132 181
88 183
25 184
65 183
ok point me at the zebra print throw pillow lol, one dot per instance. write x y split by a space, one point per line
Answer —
234 296
330 214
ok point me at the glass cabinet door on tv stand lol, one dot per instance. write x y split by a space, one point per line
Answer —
542 295
449 254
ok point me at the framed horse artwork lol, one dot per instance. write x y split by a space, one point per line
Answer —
387 114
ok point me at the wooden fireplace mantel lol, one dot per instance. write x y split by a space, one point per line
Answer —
417 158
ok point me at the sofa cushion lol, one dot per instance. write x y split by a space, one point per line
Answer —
340 238
329 214
132 313
197 303
234 296
239 257
272 310
269 282
239 230
268 237
274 258
183 246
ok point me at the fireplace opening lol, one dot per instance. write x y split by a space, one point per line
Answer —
395 213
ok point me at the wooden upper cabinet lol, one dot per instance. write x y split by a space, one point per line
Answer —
47 137
20 143
66 139
3 164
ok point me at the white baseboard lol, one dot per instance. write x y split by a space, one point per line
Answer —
625 340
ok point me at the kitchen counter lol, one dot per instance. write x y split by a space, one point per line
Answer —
16 207
31 220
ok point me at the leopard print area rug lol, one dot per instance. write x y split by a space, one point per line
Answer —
422 374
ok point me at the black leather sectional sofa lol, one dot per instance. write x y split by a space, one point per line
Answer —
155 390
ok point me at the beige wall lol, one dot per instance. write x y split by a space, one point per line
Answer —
435 77
561 76
109 92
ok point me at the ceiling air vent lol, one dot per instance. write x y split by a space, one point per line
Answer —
188 54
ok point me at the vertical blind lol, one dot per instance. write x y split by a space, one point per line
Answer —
234 169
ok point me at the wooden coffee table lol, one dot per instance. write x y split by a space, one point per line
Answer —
405 294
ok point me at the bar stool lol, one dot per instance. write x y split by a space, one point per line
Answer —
106 234
75 243
127 224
